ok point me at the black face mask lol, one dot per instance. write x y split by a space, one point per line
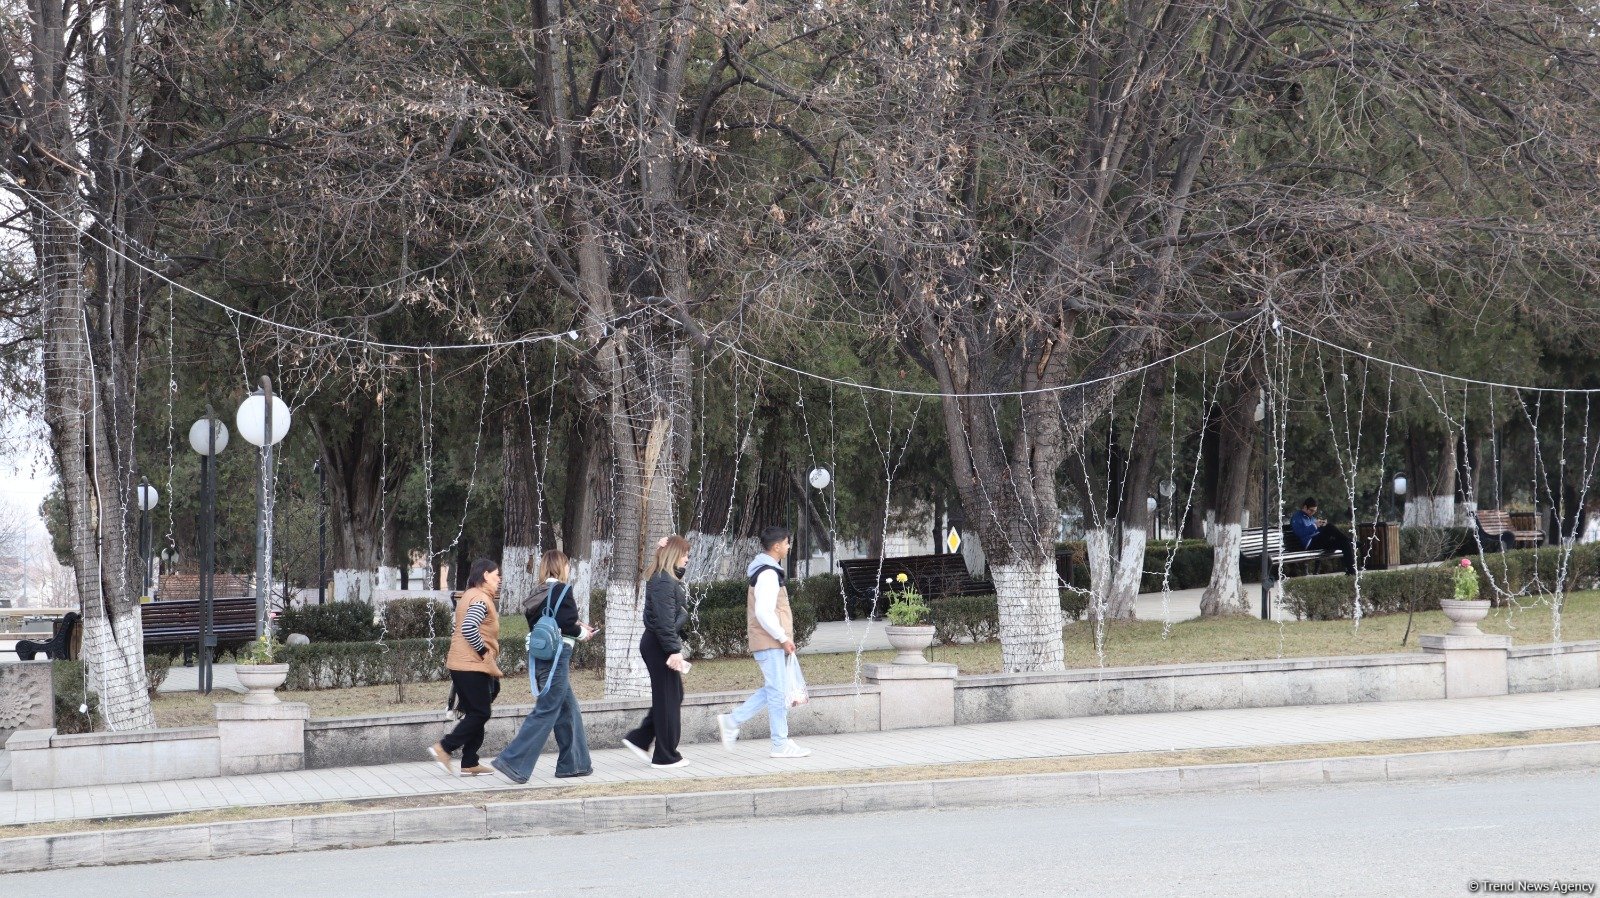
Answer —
682 568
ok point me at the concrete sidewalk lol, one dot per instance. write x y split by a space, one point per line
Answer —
1082 736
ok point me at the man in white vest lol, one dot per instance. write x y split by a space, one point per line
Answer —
769 626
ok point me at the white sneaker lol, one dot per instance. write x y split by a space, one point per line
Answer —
728 729
643 755
792 749
681 762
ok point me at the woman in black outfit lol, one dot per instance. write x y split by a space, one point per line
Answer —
666 613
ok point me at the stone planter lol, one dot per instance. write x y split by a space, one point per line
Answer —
909 642
1465 614
262 680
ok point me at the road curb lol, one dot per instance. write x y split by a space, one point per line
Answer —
364 829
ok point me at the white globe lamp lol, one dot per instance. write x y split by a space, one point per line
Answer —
820 478
252 419
198 441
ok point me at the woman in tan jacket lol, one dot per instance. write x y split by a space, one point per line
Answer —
474 671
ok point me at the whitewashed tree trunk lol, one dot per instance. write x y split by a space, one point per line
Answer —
1097 548
519 576
350 585
388 577
1225 592
96 484
1124 592
1431 511
1030 613
586 572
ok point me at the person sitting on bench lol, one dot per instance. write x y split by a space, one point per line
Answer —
1316 533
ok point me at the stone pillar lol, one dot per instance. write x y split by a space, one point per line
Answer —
262 738
1473 665
27 697
914 695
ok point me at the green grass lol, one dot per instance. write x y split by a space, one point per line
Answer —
1232 638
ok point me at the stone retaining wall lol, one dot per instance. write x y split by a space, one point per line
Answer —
1552 668
893 696
1199 687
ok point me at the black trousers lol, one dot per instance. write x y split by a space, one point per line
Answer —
475 693
1330 537
662 725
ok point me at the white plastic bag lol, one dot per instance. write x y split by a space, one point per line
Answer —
796 691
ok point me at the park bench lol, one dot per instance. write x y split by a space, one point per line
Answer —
59 647
935 576
1494 524
1282 548
177 622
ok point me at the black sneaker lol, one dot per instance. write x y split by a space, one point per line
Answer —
562 776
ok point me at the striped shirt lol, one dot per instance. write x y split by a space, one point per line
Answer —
469 628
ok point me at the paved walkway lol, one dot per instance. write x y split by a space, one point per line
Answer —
855 751
187 679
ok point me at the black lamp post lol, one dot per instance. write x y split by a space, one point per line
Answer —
148 497
208 437
263 420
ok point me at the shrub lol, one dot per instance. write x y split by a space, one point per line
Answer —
67 677
1191 564
978 617
1529 571
156 668
973 618
1382 592
411 618
1074 604
825 595
334 622
591 655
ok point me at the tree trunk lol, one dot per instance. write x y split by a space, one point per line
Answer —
643 456
1434 504
519 559
359 488
1238 432
84 428
1133 520
1017 484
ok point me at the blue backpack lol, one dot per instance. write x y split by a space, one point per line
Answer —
544 639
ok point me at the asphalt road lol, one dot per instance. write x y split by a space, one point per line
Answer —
1413 840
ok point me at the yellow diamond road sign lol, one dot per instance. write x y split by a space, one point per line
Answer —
953 540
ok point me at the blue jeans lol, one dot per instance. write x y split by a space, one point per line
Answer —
773 695
556 712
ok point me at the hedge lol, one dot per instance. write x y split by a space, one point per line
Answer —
333 622
341 665
977 618
1526 571
410 618
1382 592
